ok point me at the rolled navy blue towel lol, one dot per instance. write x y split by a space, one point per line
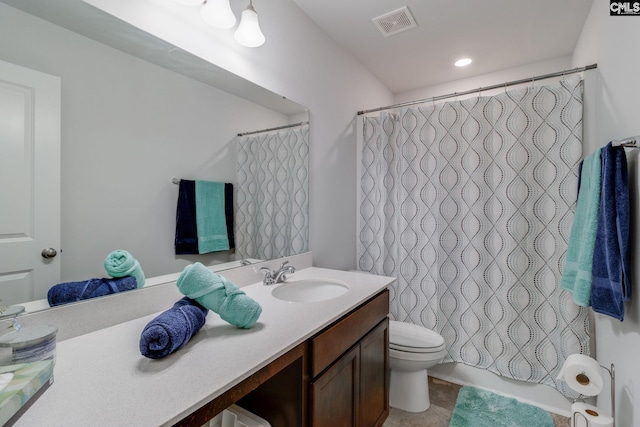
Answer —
172 329
64 293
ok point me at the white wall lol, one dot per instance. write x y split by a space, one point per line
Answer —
302 63
128 128
614 43
499 77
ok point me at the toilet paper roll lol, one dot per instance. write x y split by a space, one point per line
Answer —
585 415
582 374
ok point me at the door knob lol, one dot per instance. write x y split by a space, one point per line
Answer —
49 253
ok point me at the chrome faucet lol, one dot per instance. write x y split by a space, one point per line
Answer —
272 277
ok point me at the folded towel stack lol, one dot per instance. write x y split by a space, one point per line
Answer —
204 217
121 263
64 293
219 295
172 329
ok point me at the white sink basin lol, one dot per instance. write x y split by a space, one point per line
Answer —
310 290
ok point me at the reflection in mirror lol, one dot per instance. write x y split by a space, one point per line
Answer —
136 112
272 217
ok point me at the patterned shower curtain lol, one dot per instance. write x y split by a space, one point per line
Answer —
469 204
272 199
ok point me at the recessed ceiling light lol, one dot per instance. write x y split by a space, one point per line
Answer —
463 62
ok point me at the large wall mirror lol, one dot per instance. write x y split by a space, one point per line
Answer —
136 115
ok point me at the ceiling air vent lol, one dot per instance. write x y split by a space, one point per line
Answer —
395 22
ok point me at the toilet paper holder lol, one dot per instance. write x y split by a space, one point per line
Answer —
612 374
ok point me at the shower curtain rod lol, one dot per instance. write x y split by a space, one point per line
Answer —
275 128
480 89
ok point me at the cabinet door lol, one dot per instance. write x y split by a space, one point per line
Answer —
374 376
335 393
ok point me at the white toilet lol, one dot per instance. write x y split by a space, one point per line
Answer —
412 350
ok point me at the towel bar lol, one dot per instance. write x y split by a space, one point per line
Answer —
631 142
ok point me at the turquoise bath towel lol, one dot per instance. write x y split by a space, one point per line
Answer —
211 221
577 274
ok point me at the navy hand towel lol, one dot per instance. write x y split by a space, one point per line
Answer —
64 293
611 284
228 213
172 329
186 241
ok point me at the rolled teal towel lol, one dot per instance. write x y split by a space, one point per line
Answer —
218 295
121 263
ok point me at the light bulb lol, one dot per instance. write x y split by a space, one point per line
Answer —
463 62
218 14
248 33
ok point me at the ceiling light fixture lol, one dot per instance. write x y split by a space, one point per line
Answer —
189 2
463 62
248 33
218 14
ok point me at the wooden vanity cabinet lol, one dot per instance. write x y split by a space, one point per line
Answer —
350 369
339 377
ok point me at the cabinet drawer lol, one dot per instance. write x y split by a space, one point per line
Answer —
342 335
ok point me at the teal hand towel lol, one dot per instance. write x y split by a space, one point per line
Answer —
577 273
121 263
211 221
219 295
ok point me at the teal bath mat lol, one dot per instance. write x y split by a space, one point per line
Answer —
476 407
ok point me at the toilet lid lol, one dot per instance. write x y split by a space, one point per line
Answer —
416 350
409 336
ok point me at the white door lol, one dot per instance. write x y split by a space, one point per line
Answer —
29 183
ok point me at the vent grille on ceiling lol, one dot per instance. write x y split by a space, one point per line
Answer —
395 22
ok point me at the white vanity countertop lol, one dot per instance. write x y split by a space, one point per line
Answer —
101 379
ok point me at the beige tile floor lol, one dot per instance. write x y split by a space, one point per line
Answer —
443 396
